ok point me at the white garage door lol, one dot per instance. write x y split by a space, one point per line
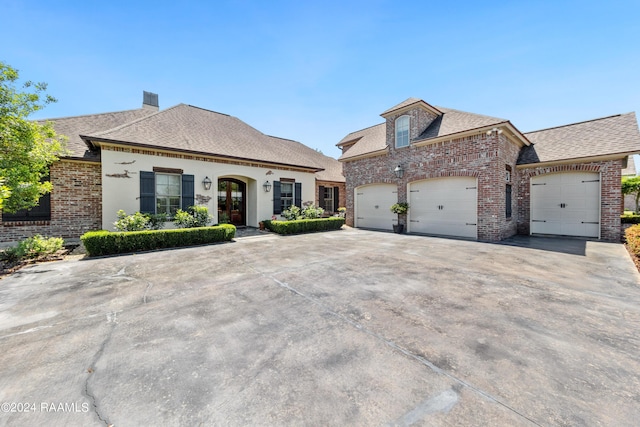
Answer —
445 206
566 204
372 207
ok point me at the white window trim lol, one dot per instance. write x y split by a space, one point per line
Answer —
163 195
293 194
408 131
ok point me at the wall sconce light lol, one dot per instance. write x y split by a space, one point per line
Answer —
206 182
266 186
399 171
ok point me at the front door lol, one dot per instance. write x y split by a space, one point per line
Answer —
231 201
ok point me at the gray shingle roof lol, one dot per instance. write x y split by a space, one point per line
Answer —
407 102
73 127
455 121
598 137
369 140
188 128
332 168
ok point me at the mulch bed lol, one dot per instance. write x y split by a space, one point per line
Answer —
7 268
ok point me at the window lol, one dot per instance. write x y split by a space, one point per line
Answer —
41 212
327 201
167 193
286 194
402 131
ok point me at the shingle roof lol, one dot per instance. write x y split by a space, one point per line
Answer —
608 135
455 121
368 140
73 127
407 102
188 128
332 168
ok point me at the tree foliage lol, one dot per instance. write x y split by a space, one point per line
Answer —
27 148
632 186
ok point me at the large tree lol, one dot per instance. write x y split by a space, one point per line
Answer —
27 148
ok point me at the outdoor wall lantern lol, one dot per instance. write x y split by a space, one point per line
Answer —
399 171
266 186
206 182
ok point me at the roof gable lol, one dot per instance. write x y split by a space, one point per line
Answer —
408 104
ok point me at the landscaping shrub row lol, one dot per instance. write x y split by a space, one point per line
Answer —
304 225
630 219
108 243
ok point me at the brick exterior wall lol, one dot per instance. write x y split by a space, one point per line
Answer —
610 197
485 157
76 202
342 196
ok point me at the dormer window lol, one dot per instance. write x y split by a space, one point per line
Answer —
402 131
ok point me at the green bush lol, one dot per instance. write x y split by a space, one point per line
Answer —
292 214
194 216
135 222
304 225
107 243
630 219
632 235
33 247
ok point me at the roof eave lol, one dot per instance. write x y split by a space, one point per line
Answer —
91 141
381 152
603 157
515 135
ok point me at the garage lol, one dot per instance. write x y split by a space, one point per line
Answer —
444 206
566 204
372 206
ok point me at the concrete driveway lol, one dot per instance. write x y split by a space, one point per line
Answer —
342 328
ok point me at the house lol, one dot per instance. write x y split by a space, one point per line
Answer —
158 161
479 177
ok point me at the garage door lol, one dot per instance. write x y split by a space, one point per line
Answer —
372 206
445 206
566 204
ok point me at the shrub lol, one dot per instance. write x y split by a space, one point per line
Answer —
135 222
194 216
108 243
630 219
292 213
400 208
312 212
33 247
304 225
156 221
632 235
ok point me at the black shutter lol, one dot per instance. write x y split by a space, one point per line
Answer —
321 197
336 199
188 191
147 192
298 194
508 201
277 201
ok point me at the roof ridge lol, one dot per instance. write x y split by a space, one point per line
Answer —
205 109
88 115
124 125
468 112
576 123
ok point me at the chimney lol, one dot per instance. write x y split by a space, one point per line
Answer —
150 100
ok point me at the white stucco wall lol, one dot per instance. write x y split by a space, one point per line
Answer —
124 193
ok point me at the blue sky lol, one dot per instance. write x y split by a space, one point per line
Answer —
315 71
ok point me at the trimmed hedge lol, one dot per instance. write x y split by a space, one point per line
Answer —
108 243
632 234
630 219
304 225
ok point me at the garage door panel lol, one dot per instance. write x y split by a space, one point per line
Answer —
444 206
372 206
566 204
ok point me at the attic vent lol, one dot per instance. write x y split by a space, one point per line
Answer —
150 100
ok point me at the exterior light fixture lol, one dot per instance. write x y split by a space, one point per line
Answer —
266 186
206 183
399 171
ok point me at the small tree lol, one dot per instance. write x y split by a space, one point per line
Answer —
27 148
632 186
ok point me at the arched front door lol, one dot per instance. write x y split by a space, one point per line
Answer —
231 201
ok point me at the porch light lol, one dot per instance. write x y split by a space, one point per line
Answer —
266 186
206 182
399 171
